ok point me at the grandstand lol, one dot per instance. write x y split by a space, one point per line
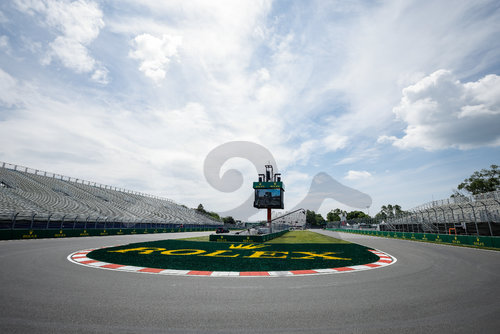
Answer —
465 215
468 215
31 198
294 219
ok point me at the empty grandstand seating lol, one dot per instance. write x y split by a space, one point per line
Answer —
467 215
34 199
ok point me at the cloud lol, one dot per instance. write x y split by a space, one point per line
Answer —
315 84
386 139
79 23
3 18
442 112
100 75
334 142
356 175
155 54
364 154
308 148
11 93
4 42
387 45
72 54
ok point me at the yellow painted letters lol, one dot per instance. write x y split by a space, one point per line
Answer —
183 252
267 255
312 255
220 252
141 250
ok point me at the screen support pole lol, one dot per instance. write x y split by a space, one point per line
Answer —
269 219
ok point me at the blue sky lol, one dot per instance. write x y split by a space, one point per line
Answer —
397 99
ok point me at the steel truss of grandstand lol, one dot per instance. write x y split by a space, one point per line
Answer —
466 215
35 199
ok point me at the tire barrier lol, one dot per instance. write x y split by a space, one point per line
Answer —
64 233
450 239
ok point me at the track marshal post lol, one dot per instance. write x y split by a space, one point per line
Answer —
269 193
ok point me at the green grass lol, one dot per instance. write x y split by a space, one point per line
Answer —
292 237
224 256
306 237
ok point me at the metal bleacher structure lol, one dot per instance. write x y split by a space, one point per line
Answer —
35 199
467 215
463 215
293 219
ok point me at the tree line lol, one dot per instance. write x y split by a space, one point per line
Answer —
226 220
386 211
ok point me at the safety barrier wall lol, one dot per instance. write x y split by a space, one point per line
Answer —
459 240
246 238
65 233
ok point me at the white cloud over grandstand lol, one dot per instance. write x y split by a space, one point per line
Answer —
442 112
155 54
11 94
78 24
323 85
357 174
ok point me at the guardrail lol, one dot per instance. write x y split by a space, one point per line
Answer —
457 240
68 233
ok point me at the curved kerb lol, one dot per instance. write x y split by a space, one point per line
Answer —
80 257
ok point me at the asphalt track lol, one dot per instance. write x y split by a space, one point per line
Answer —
431 289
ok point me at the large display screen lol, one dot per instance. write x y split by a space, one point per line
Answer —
268 198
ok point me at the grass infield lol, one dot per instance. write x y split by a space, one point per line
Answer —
306 237
297 250
292 237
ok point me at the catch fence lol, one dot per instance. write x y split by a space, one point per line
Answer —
462 215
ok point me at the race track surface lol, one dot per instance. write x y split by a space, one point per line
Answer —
431 289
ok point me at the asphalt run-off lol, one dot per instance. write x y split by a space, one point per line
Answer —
221 259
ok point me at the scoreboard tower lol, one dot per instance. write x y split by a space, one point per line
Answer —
269 192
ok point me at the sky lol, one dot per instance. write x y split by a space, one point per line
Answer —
399 100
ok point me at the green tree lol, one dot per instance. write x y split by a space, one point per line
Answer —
229 220
320 221
200 208
334 215
356 214
314 219
390 211
483 181
310 218
214 215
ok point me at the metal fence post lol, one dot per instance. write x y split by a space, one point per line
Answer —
62 222
32 219
487 217
444 218
463 219
475 218
48 220
14 216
